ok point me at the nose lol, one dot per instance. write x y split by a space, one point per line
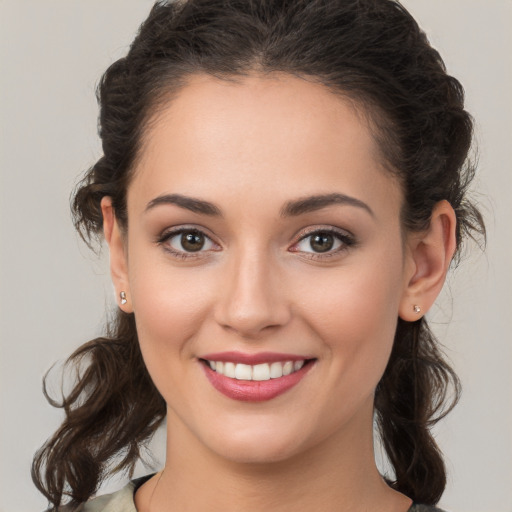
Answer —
252 296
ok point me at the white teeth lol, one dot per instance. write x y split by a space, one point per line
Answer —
276 370
261 372
258 372
229 370
287 368
243 372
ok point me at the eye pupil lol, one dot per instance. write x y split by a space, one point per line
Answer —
322 242
192 241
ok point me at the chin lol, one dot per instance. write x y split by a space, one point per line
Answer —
257 445
252 454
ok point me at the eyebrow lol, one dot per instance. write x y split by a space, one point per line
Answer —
290 209
189 203
317 202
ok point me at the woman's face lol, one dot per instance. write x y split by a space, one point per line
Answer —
263 229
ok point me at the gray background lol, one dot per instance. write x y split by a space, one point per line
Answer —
54 292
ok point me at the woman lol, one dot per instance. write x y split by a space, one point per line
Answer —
282 191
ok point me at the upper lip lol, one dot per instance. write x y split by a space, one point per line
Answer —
252 359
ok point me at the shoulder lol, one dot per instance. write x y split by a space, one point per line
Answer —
416 507
119 501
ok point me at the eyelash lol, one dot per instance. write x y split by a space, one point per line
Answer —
168 235
347 240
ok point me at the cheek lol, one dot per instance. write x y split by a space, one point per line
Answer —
169 307
169 304
352 301
354 311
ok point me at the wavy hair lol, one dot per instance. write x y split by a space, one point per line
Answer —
371 51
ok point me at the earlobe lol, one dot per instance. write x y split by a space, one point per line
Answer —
118 262
429 257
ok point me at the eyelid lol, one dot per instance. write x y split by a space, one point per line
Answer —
169 233
311 230
346 238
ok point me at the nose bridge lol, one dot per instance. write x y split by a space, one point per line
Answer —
252 296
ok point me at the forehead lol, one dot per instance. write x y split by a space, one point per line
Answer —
207 107
255 132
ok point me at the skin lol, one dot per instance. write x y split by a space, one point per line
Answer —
250 147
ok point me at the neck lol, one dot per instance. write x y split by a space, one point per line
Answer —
339 474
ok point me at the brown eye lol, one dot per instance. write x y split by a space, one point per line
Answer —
187 241
322 242
192 241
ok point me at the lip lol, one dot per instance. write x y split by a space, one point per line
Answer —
252 359
250 390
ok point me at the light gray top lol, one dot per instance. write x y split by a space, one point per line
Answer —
123 501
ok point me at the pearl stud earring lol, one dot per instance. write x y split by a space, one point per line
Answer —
123 298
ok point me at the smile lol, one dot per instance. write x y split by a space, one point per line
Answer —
258 372
269 375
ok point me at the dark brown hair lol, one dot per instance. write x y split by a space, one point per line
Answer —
371 51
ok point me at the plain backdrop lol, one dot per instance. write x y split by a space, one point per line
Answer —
54 292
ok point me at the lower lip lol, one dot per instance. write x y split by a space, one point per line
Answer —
254 390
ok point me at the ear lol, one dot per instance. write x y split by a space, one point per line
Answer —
118 261
428 258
